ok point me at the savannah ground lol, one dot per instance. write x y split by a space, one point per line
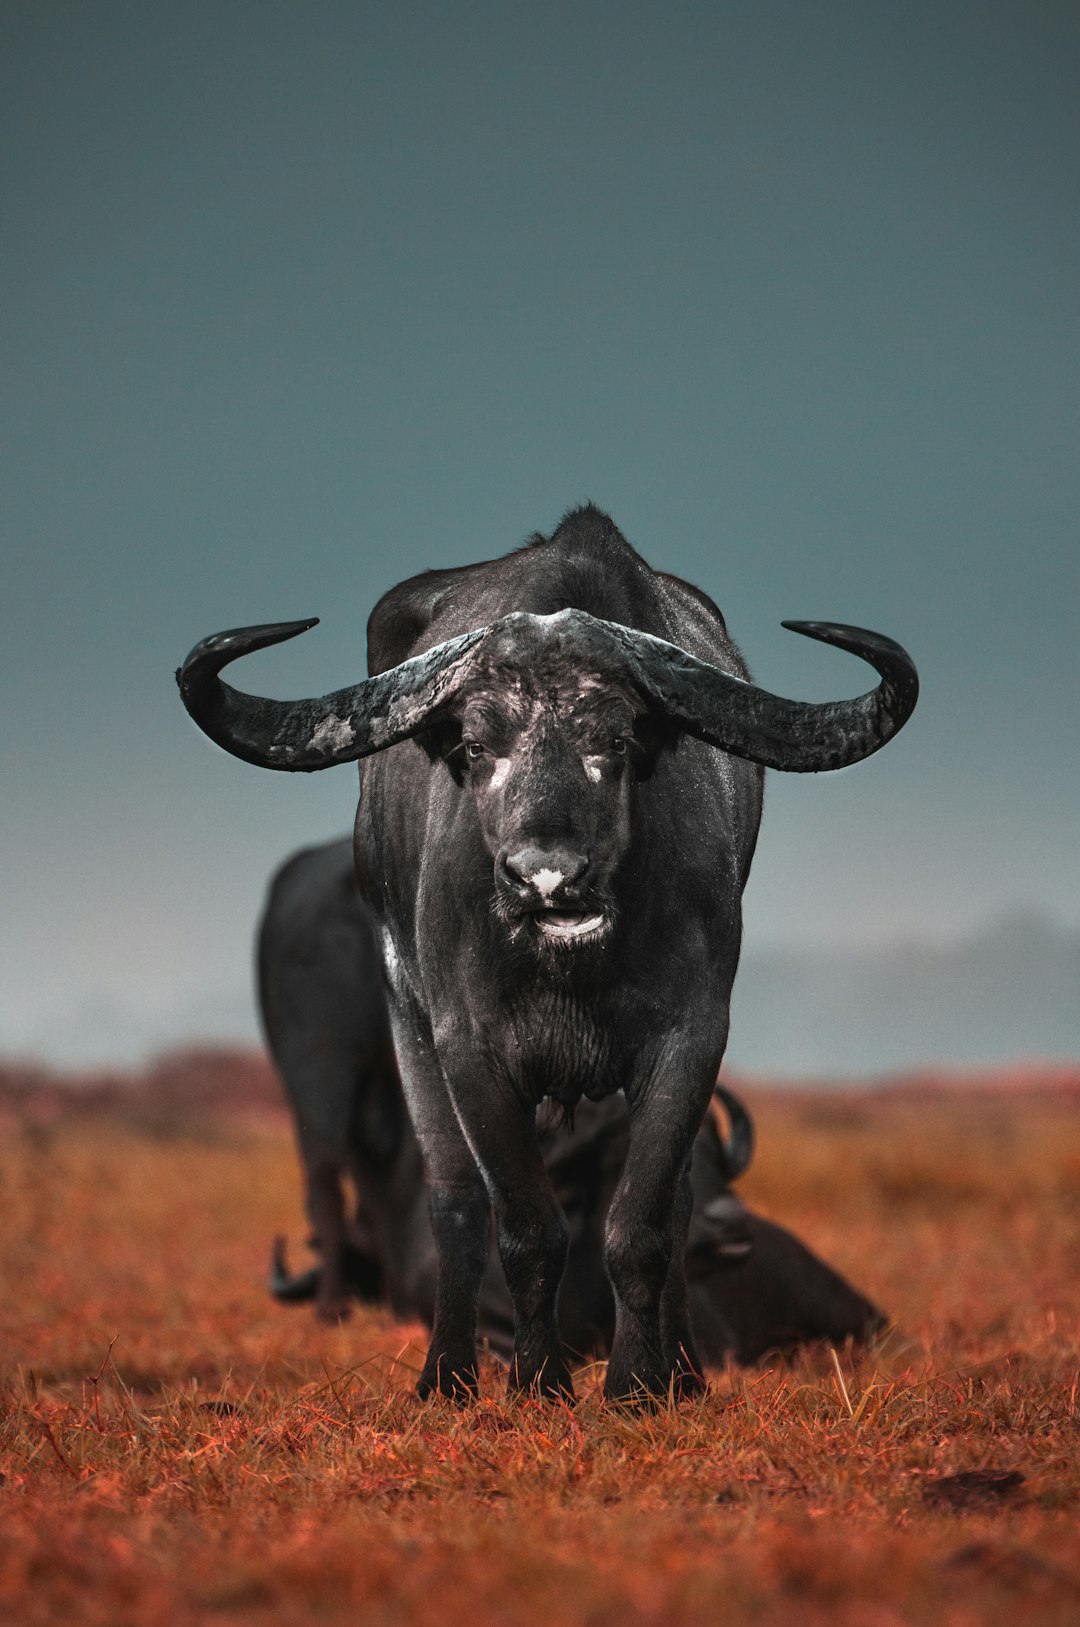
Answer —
175 1448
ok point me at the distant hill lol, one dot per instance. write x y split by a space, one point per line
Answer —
1012 991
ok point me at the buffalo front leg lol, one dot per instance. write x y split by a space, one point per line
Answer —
532 1231
644 1246
326 1207
676 1333
322 1084
460 1215
460 1218
533 1243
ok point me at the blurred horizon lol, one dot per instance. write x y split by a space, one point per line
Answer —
297 301
1002 996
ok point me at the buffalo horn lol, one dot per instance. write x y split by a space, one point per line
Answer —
800 736
707 702
291 1290
738 1149
301 736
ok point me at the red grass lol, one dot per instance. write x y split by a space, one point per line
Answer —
227 1459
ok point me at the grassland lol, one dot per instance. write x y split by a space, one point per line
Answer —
176 1449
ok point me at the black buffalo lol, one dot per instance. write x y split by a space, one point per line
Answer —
752 1286
555 857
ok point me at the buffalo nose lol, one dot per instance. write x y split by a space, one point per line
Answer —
552 873
724 1219
720 1235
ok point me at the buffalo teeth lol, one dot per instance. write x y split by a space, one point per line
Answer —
554 925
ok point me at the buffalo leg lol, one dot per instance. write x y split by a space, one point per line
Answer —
533 1243
459 1221
644 1245
460 1217
533 1238
326 1207
321 1080
676 1334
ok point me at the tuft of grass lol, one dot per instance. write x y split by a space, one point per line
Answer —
175 1447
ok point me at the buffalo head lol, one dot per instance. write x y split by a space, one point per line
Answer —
549 735
550 721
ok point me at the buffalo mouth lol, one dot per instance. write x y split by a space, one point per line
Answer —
571 926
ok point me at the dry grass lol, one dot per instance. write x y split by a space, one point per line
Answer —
230 1461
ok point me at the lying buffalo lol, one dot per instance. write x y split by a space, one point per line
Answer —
752 1286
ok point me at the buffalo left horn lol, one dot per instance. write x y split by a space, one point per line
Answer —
302 736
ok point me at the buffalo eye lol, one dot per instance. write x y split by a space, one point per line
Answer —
620 745
473 750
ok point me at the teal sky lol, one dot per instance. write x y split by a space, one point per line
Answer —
298 299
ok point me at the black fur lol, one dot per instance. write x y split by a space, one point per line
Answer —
488 1015
752 1286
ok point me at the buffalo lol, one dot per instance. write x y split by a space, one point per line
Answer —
753 1288
559 805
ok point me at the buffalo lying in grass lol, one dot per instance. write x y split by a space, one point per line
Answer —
752 1286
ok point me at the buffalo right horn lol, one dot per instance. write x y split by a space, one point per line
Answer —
802 737
738 1148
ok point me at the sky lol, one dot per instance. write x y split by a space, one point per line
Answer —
299 299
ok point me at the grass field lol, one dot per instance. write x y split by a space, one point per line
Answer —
177 1449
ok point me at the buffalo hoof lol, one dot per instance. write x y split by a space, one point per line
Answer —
688 1384
551 1382
643 1389
458 1383
687 1379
